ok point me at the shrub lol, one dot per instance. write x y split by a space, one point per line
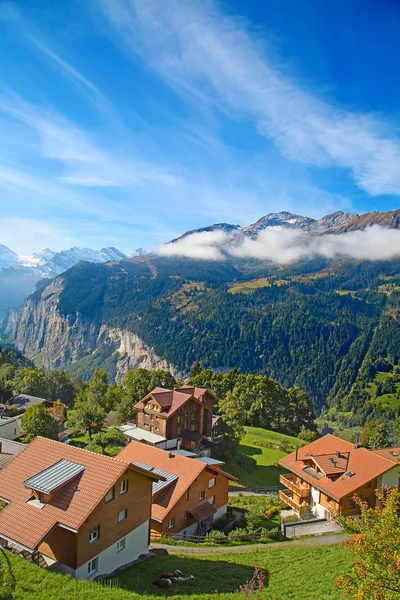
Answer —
271 512
216 536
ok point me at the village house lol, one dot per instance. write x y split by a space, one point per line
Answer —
75 511
171 419
326 474
193 495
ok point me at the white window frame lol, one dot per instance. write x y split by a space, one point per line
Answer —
171 523
202 495
94 534
187 493
121 544
212 500
123 486
95 564
124 511
212 482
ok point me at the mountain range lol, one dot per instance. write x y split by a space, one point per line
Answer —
323 323
19 274
337 222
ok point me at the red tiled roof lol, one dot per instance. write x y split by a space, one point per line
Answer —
169 400
365 464
27 524
389 453
187 470
197 392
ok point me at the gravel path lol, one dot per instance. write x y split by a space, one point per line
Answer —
324 540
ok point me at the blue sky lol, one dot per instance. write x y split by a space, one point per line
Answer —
128 122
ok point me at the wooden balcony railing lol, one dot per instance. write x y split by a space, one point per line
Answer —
286 496
289 482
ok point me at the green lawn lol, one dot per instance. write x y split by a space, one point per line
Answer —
295 573
261 466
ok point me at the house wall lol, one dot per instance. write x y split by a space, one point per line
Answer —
220 491
110 559
364 492
61 545
137 501
152 421
390 478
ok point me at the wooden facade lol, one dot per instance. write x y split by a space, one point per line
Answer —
76 549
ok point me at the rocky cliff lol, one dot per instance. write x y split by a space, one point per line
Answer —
52 340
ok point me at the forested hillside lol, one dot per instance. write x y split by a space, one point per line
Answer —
318 325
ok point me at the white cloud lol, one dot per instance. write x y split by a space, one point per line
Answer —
284 246
209 55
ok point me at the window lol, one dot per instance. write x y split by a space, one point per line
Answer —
186 424
171 523
194 427
211 482
123 486
202 495
146 424
156 429
351 503
94 534
179 419
178 430
185 516
121 545
368 485
187 495
212 500
194 417
93 566
110 495
194 405
151 417
122 515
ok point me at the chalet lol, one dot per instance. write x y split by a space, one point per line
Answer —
10 428
193 494
75 511
325 475
175 418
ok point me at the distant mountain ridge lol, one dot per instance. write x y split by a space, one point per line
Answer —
337 222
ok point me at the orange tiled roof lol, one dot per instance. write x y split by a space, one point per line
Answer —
365 464
169 400
70 506
390 453
187 470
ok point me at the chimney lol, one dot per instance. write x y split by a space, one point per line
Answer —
338 453
170 455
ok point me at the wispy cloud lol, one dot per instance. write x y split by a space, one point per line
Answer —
85 162
209 55
284 246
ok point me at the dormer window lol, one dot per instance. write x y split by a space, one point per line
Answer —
47 482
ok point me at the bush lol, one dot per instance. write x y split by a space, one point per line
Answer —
216 536
271 512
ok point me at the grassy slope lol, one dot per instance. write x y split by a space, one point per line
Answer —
296 573
267 470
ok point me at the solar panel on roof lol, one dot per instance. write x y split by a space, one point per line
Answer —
157 485
54 476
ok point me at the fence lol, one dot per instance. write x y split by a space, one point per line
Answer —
216 538
267 490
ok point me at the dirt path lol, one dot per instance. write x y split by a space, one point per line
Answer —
324 540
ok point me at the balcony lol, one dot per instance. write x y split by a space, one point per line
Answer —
289 481
287 497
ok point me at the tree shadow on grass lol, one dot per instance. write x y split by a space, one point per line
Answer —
250 450
211 576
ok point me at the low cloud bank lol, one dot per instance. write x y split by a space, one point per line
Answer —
284 246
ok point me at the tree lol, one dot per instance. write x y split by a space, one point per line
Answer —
35 421
62 386
32 382
229 430
160 378
307 435
111 437
376 542
196 369
88 416
374 435
97 389
125 410
137 384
